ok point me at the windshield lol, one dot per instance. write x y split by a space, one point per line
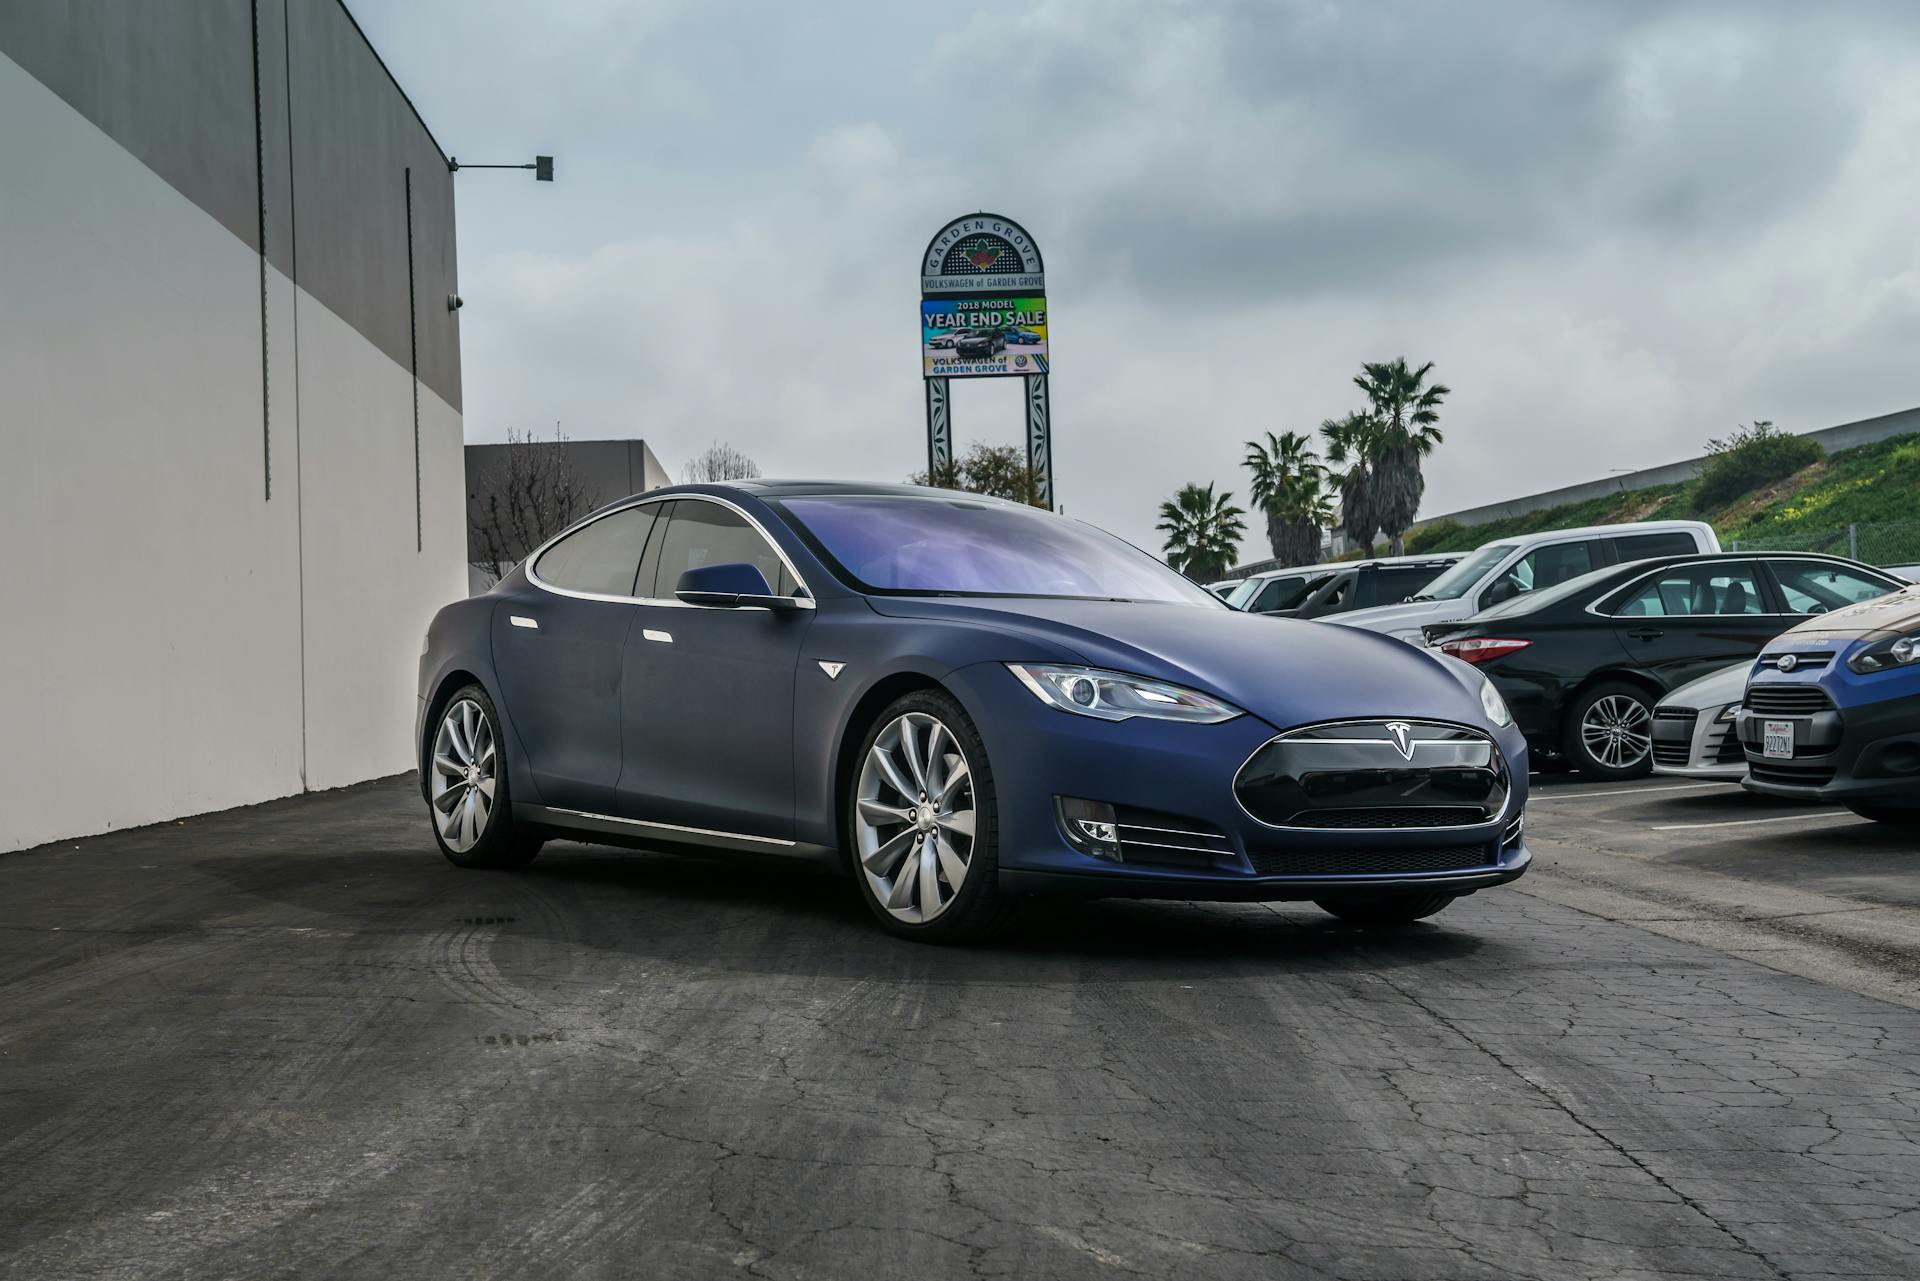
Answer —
1243 593
976 547
1459 580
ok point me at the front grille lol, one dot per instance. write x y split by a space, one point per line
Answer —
1378 860
1786 700
1672 753
1803 660
1349 775
1789 775
1686 714
1391 816
1150 836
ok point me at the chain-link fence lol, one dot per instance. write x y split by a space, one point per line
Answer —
1894 542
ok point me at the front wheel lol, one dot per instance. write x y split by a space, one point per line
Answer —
922 827
1609 732
1893 815
1386 911
467 787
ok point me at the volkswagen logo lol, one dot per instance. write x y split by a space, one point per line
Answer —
1787 662
1402 737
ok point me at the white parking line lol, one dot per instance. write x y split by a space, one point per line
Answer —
1749 822
1555 794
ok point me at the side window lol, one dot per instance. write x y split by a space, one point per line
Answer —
1541 567
1814 588
1394 584
1693 590
1646 546
1333 596
600 558
703 533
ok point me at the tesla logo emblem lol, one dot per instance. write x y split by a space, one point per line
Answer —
832 670
1402 737
1788 662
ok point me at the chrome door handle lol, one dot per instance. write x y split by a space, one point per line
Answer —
665 638
521 620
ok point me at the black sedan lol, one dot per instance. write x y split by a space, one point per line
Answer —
1583 663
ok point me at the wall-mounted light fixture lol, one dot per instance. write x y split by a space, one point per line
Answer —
542 167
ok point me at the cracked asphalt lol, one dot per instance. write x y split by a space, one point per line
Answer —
291 1041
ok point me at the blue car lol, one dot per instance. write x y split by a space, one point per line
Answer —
1832 711
960 702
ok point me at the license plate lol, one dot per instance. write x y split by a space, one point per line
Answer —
1776 739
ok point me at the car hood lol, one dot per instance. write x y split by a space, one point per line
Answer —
1892 615
1715 690
1284 671
1408 616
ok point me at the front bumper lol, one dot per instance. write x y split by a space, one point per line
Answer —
1693 743
1173 785
1865 753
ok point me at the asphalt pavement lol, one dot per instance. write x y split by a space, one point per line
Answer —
292 1041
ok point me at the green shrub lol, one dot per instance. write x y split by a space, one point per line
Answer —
1749 458
1441 534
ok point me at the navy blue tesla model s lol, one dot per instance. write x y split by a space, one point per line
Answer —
960 701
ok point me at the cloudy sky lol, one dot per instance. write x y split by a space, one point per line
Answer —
1617 228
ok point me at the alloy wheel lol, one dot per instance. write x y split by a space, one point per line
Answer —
464 765
1616 731
914 820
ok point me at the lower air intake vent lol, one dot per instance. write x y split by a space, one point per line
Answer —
1373 860
1149 836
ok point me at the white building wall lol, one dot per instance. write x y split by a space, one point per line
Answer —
153 661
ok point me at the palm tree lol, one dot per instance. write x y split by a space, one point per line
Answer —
1289 487
1404 413
1203 532
1350 445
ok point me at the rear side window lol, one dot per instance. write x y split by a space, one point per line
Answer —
1693 590
600 558
703 533
1543 567
1647 546
1393 584
1813 588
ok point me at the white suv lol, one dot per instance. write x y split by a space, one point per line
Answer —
1525 563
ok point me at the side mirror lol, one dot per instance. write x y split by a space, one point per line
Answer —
729 586
1504 590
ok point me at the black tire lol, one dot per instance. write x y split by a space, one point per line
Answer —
1892 815
979 908
501 845
1574 743
1386 911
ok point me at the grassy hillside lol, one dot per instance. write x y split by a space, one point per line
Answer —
1874 486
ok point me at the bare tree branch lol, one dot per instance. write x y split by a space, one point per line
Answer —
528 496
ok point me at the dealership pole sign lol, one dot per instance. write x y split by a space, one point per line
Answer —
983 314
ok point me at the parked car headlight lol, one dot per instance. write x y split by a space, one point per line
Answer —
1901 651
1115 696
1730 712
1493 705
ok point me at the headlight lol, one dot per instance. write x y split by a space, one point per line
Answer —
1115 696
1901 651
1493 705
1730 712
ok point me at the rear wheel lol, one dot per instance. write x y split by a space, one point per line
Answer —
1896 816
1609 732
467 787
922 827
1387 910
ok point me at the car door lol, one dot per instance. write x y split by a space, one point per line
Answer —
1690 619
1544 566
707 727
559 651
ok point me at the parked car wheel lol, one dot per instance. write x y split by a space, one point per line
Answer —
1609 733
922 829
467 787
1897 816
1385 911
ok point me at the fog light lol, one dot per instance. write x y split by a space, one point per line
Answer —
1090 826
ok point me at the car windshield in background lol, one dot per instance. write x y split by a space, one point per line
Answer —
1530 601
1459 580
1244 592
970 547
